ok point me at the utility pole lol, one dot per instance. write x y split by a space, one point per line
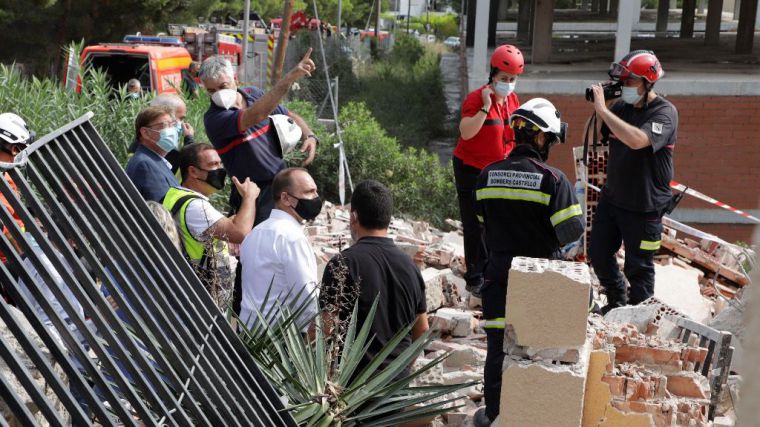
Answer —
377 21
282 42
408 14
244 60
340 9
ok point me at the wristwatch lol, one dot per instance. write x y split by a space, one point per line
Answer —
311 135
484 110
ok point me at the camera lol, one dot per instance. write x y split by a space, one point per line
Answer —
612 90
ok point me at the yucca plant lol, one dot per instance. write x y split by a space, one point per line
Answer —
320 378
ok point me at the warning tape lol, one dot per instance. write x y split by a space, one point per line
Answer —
671 223
270 55
680 187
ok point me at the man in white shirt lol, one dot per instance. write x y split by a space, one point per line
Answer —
204 230
278 260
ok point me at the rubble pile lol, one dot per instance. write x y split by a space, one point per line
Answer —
645 374
624 369
722 263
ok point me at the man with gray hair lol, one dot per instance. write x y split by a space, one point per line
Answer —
238 125
134 89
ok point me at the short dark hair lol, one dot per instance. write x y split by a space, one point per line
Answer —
373 204
283 181
150 114
188 156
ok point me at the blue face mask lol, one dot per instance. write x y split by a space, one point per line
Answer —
179 129
631 95
504 88
168 138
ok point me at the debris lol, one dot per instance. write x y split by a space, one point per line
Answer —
623 369
454 322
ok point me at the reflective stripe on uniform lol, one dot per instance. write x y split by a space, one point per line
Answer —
497 323
480 218
565 214
513 194
649 245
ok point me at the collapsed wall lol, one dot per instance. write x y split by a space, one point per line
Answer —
546 343
639 376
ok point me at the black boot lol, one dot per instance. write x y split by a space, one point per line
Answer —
614 300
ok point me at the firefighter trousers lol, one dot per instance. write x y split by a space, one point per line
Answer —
466 178
641 233
494 293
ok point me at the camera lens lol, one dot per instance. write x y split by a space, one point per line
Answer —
589 94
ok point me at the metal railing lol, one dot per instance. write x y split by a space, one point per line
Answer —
162 355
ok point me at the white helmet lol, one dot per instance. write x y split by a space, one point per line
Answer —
13 130
542 114
288 132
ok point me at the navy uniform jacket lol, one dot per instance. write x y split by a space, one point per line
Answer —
528 208
151 174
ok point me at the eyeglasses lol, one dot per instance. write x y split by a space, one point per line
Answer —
163 125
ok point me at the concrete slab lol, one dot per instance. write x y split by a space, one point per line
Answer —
679 288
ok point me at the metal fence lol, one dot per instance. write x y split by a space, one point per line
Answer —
159 353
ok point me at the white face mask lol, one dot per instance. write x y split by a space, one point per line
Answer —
631 95
503 88
225 98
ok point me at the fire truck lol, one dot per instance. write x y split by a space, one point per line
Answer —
156 62
159 61
209 39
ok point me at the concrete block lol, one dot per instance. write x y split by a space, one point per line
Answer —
462 355
456 322
547 303
637 315
679 288
542 394
434 296
723 422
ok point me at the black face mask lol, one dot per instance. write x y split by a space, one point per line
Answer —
216 177
308 209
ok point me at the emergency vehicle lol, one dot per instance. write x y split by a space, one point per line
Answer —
156 61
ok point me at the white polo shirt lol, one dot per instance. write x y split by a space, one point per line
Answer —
277 252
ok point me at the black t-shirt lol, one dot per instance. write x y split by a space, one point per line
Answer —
639 180
381 270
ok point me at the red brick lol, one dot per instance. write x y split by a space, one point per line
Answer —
648 355
685 386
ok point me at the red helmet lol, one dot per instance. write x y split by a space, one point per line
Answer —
637 64
508 58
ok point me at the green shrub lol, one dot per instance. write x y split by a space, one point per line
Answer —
421 188
442 25
406 50
46 105
404 91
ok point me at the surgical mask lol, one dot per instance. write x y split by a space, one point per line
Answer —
503 88
179 128
308 209
631 95
167 139
224 98
216 178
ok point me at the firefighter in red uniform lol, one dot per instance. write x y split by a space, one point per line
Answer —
485 138
528 209
14 137
641 129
